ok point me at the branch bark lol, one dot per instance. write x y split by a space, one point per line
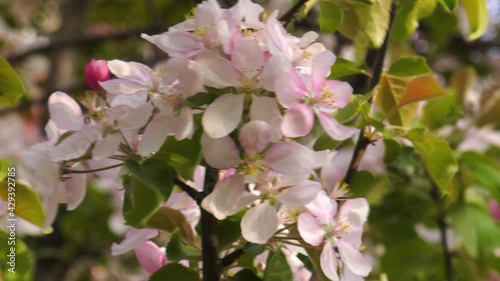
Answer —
378 65
209 242
436 196
193 193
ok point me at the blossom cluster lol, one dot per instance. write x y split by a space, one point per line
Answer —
259 92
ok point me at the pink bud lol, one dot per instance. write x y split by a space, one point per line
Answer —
150 256
96 71
494 209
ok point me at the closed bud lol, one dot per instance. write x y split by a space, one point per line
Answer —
96 71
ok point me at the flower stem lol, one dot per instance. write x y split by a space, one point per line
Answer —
68 171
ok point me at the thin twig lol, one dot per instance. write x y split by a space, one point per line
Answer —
209 242
378 64
232 257
436 196
288 16
193 193
68 171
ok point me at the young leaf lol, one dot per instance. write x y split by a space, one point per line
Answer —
392 150
169 219
449 5
477 13
27 204
153 172
141 202
177 251
175 272
409 66
343 67
421 88
463 81
5 164
11 86
245 275
330 16
388 93
277 268
437 156
408 15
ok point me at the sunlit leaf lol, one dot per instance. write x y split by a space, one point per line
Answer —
437 156
477 13
409 66
408 15
463 81
169 219
5 164
11 86
449 5
421 88
27 203
330 16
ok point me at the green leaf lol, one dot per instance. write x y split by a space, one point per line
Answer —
5 164
184 156
343 67
229 232
11 86
437 156
24 260
443 110
245 275
449 5
357 103
408 15
154 172
277 268
141 202
27 203
464 80
409 66
392 150
253 249
177 251
169 219
362 183
330 16
175 272
477 13
482 170
314 256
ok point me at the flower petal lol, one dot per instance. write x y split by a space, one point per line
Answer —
136 118
76 188
248 57
76 145
221 153
355 211
221 202
133 239
177 43
266 109
299 195
328 262
298 121
320 69
352 258
65 112
150 256
223 115
310 229
218 71
259 223
133 71
333 128
342 92
106 146
289 158
154 135
255 136
323 208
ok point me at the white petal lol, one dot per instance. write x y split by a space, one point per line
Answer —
352 258
133 238
218 72
75 188
323 208
299 195
255 136
289 158
65 112
136 117
223 115
131 71
259 223
310 229
248 57
222 200
328 262
76 145
221 153
106 147
266 109
154 135
355 211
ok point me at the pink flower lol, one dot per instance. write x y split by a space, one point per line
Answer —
494 209
133 239
150 256
96 71
342 229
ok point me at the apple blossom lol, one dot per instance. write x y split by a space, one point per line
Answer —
96 71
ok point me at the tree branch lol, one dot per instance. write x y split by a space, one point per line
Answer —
209 242
229 259
436 196
378 65
193 193
288 16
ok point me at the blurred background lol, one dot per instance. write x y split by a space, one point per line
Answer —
49 42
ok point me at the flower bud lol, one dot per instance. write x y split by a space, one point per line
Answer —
150 256
494 209
96 71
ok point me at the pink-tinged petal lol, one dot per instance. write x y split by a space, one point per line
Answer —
298 121
154 135
218 71
123 87
266 109
248 57
135 118
255 136
328 262
47 172
276 70
191 79
323 208
52 131
249 12
132 100
106 146
307 39
133 71
289 158
299 195
150 256
65 112
182 126
353 236
208 13
285 92
321 158
76 145
320 69
299 83
133 239
187 25
494 209
341 91
276 39
4 206
223 115
259 223
221 153
354 211
348 275
336 168
221 202
76 188
333 128
352 258
177 43
310 229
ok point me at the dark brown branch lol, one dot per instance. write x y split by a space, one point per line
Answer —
232 257
209 242
441 215
64 42
288 16
378 65
193 193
